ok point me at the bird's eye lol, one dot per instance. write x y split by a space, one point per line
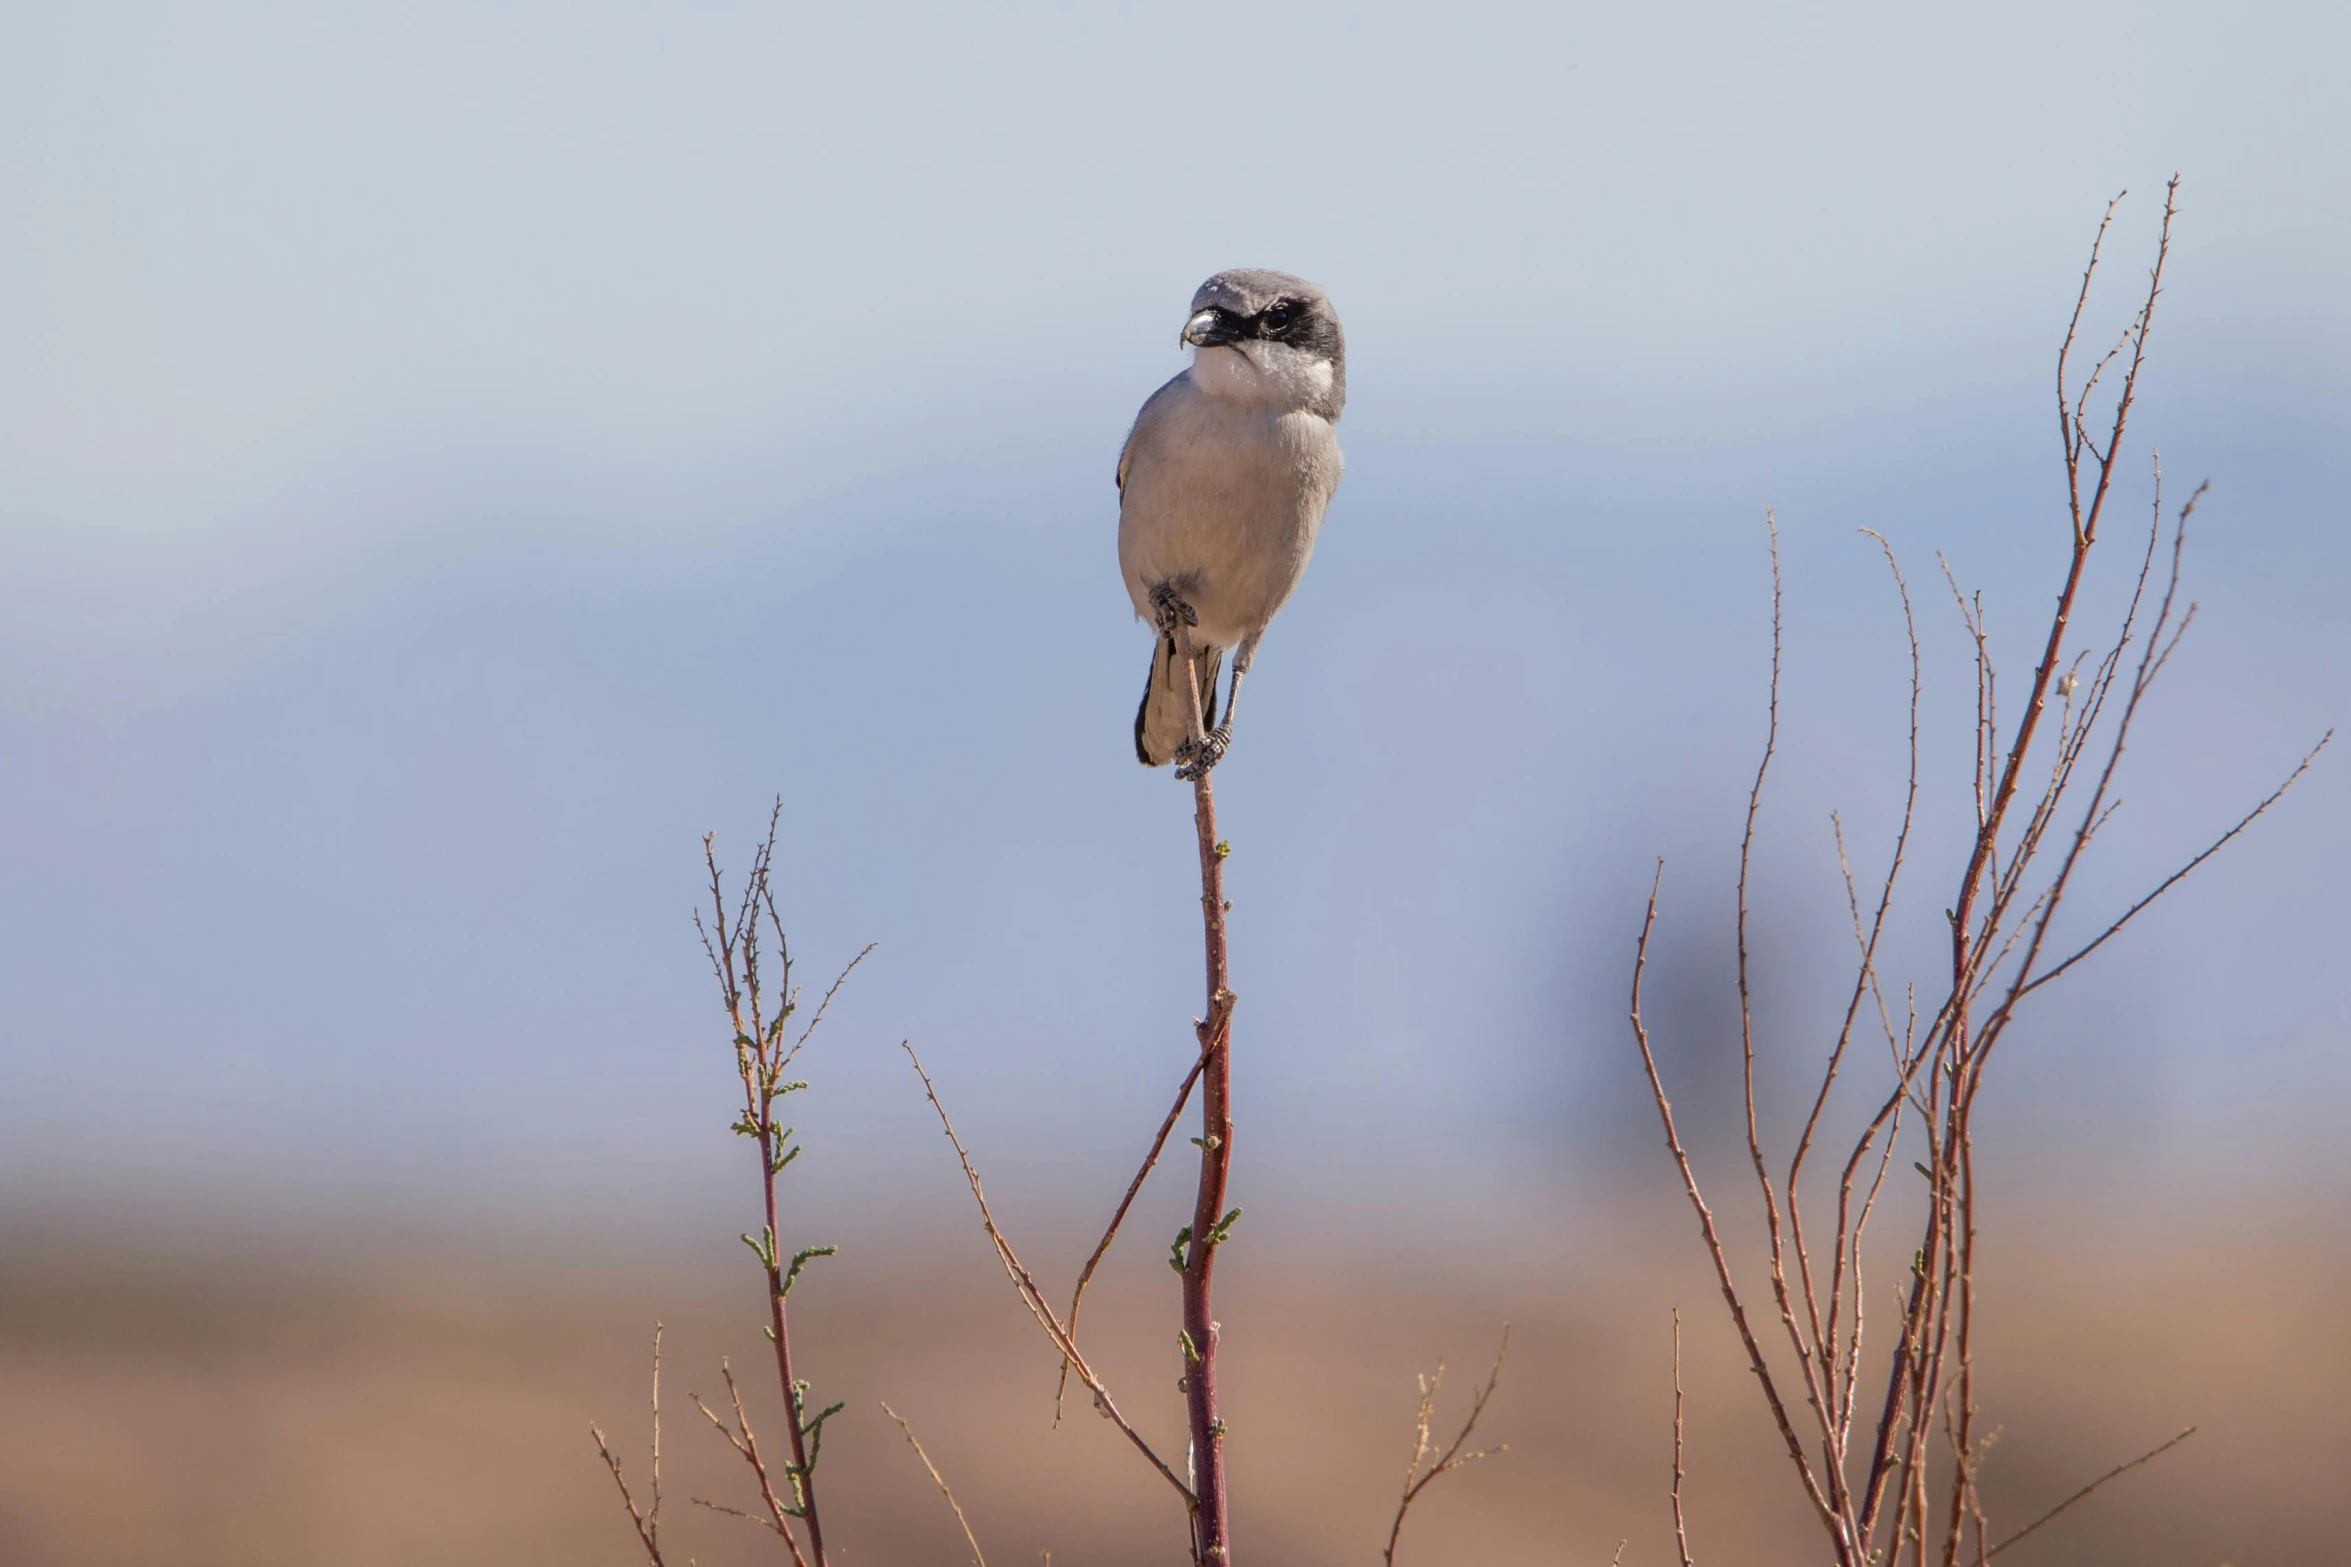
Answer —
1279 317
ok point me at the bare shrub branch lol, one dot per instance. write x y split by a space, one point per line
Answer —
1681 1528
1034 1298
1102 1247
648 1522
1732 1300
746 1444
977 1557
758 1010
1452 1458
2117 1472
754 978
1883 1488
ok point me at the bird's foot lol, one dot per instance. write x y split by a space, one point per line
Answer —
1168 608
1195 757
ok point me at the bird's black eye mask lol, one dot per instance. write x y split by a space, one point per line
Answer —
1296 323
1293 322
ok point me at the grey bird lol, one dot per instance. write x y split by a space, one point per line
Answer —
1222 487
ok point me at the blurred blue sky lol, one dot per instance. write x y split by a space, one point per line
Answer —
453 456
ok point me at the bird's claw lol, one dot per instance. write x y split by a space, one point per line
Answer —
1168 608
1195 757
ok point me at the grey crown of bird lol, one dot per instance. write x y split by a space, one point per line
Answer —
1222 487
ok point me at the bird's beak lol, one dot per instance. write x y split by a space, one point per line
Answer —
1210 329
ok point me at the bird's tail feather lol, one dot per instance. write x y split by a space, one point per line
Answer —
1164 721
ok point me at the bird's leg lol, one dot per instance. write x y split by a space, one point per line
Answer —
1176 620
1200 755
1168 609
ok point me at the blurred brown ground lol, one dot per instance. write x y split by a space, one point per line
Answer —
222 1397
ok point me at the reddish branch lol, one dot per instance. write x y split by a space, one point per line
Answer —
1203 1488
1211 1220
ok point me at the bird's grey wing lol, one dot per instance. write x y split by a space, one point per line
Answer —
1126 453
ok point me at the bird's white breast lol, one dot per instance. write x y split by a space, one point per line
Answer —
1226 481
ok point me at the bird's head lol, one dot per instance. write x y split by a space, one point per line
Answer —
1268 337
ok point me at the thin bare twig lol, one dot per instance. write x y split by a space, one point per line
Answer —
1102 1248
940 1480
2116 1472
746 1443
1452 1458
1034 1298
737 1512
2177 876
647 1522
1836 1373
826 1004
1681 1528
636 1518
1706 1226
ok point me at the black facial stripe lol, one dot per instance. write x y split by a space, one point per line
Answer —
1307 328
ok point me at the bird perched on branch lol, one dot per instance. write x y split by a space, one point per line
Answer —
1222 486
